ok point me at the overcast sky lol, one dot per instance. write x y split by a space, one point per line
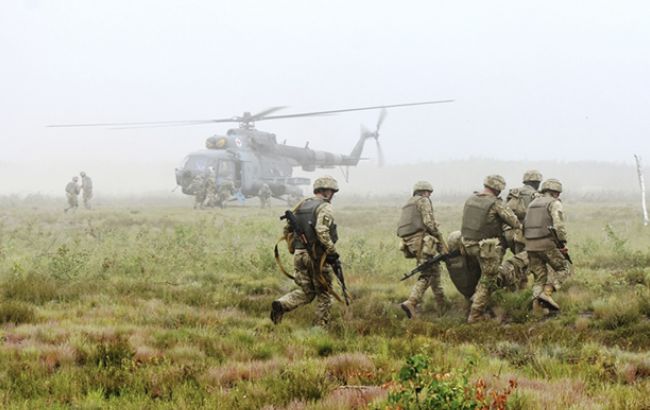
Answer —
532 79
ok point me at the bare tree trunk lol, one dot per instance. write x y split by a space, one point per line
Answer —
639 171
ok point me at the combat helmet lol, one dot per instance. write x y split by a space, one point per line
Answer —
83 174
75 178
496 182
532 175
422 186
552 184
454 241
326 182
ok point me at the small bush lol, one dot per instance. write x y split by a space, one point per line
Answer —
16 312
420 386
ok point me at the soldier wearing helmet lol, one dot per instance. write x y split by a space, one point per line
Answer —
211 188
518 200
86 188
421 239
543 213
72 190
484 216
264 193
314 278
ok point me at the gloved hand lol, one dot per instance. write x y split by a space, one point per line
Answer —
332 258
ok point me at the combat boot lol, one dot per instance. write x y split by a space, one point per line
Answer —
408 308
475 315
442 305
277 311
546 299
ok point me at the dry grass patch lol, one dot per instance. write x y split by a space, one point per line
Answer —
229 375
350 368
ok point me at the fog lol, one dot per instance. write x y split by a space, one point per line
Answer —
550 84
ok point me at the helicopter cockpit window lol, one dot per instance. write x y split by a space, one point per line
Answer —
197 163
226 169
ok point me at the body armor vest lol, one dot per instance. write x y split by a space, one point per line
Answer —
519 205
538 218
476 225
306 218
410 221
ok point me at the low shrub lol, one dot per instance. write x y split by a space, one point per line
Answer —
16 312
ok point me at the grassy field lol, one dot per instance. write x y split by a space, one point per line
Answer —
135 308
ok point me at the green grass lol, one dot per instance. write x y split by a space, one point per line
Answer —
168 308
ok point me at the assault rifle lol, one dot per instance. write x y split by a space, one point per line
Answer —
335 263
430 262
338 271
559 244
297 231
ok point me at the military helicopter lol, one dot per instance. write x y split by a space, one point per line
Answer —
248 157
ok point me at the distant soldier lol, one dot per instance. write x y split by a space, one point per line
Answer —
264 194
518 200
211 188
421 240
198 188
87 189
484 216
224 192
545 215
72 190
314 278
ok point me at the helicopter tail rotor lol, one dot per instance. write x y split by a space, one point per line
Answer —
366 133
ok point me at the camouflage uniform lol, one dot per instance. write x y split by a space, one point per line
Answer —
224 192
518 200
542 250
264 194
198 188
313 282
484 215
211 188
511 273
421 240
72 190
87 188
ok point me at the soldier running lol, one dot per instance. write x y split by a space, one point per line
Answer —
314 279
421 240
544 216
484 216
518 200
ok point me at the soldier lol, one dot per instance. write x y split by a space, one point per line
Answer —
484 216
87 188
313 277
544 214
518 200
198 187
265 195
211 188
72 190
421 240
224 192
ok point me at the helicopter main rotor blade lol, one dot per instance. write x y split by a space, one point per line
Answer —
314 113
145 124
264 113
